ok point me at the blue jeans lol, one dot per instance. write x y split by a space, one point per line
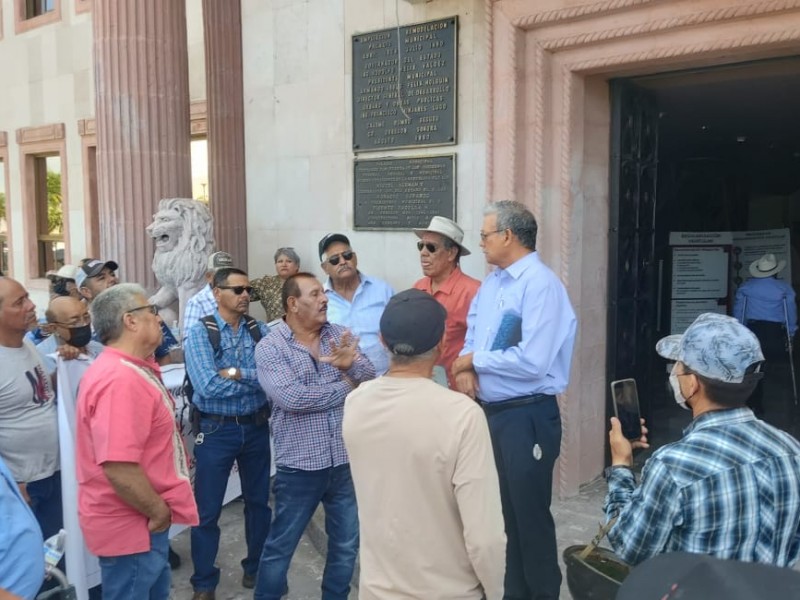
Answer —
45 497
297 495
141 576
224 443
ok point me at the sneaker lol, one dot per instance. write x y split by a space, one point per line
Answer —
206 595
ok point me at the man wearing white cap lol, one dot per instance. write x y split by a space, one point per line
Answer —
95 276
440 249
729 487
766 305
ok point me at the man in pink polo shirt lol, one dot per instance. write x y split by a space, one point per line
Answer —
132 470
440 250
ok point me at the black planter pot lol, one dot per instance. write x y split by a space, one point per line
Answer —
596 578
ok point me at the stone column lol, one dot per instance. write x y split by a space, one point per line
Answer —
142 120
222 26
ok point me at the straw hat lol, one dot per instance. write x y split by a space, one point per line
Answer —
447 228
766 266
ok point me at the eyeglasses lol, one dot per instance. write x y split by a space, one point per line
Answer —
429 246
346 255
149 307
487 234
237 289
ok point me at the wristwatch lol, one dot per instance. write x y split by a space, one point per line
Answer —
232 372
607 471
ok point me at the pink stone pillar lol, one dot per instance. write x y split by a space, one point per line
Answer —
142 120
222 26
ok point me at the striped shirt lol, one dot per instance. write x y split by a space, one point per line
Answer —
307 397
362 316
729 488
214 393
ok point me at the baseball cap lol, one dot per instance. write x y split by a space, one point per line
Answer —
412 323
92 268
65 272
219 260
330 239
714 346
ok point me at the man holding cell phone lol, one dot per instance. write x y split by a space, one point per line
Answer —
729 487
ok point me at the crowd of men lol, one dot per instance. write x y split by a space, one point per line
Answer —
425 423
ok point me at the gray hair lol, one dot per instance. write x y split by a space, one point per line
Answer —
517 219
289 253
403 360
109 308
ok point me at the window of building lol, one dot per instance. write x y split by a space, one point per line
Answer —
5 210
49 209
35 13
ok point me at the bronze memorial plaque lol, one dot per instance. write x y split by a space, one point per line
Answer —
404 193
419 61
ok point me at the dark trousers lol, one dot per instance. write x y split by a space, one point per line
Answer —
520 434
773 340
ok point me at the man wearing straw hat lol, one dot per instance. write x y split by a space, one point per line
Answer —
440 250
766 305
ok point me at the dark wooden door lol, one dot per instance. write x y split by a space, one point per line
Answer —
632 290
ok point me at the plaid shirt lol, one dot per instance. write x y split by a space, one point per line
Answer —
216 394
307 397
198 306
729 488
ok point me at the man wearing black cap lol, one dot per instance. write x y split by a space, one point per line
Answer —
94 276
355 300
413 443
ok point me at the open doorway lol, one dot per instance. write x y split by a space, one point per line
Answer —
711 150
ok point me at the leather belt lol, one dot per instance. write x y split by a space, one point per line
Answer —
256 418
491 408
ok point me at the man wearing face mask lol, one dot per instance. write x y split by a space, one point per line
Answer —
729 487
72 332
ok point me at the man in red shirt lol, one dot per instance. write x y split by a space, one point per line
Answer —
132 470
440 249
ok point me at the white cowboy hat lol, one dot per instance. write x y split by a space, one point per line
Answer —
766 266
447 228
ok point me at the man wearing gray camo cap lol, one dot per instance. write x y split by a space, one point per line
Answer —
730 487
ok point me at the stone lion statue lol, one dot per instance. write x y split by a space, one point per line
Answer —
183 233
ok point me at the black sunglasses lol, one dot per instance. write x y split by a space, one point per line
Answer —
429 246
237 289
346 255
149 307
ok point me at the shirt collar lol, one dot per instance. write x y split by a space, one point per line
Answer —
516 269
715 418
148 363
363 281
286 332
448 285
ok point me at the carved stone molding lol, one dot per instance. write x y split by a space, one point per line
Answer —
718 15
574 13
198 118
42 133
86 127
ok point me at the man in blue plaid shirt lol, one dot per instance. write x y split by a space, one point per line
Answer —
308 366
233 427
731 486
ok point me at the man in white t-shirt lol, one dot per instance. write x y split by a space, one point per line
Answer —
413 443
28 418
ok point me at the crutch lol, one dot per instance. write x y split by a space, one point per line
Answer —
789 348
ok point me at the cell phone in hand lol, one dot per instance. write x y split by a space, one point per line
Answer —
626 407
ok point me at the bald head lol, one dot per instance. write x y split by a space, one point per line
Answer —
17 312
65 309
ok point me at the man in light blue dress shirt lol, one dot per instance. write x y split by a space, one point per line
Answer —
516 358
355 300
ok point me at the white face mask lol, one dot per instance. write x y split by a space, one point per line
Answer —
676 391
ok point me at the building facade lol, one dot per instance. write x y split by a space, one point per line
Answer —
535 123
